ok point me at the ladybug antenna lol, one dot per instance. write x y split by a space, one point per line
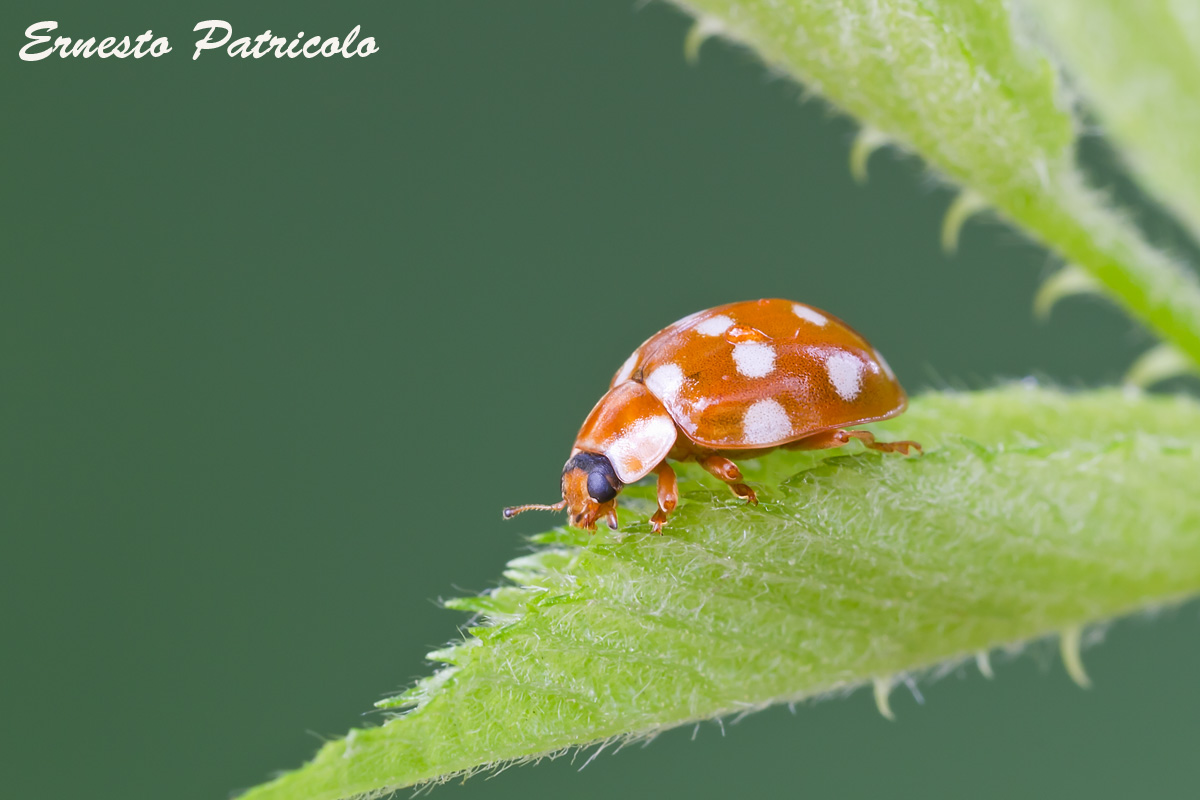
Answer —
512 511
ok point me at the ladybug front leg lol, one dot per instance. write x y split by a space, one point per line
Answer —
725 470
668 496
829 439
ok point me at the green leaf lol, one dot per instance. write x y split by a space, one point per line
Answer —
1032 512
1138 65
962 84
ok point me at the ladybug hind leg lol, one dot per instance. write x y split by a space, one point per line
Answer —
830 439
725 470
868 439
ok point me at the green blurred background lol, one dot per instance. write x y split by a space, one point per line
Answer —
279 339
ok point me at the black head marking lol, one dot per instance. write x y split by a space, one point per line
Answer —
602 483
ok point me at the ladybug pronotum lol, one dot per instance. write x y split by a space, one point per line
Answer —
734 381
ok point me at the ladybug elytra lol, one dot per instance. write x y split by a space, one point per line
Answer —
733 381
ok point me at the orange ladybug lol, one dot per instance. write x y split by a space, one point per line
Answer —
735 380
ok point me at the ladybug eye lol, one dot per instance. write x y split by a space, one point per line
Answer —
600 488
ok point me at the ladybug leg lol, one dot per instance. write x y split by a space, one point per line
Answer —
868 439
611 516
725 470
823 441
668 495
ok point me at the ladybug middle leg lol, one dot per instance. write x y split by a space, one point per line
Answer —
668 496
829 439
725 470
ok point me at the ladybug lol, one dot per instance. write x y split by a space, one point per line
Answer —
737 380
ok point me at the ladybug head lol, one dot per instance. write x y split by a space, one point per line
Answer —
589 488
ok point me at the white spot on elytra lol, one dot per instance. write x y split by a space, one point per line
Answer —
639 447
627 368
809 314
754 359
887 369
845 373
766 422
665 382
714 326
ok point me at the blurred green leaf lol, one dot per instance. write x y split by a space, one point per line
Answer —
1138 66
966 86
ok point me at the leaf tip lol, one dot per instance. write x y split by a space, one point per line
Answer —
1069 643
1069 281
883 691
702 29
984 662
966 205
1159 363
865 144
